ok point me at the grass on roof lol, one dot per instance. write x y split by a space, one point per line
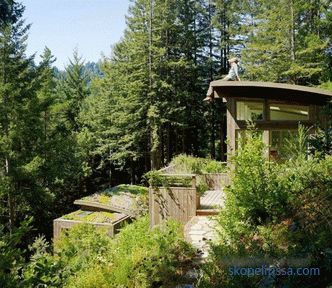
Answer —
93 216
133 189
131 198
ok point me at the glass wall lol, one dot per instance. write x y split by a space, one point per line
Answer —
288 112
249 110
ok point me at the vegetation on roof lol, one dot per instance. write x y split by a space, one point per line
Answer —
132 199
93 216
133 189
186 165
158 178
189 164
326 85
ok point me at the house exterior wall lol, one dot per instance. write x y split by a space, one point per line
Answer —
266 125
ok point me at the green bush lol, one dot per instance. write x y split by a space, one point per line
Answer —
12 255
276 211
189 164
43 270
158 179
137 257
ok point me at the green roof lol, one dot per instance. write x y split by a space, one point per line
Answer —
128 199
94 216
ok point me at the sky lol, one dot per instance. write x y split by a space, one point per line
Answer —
91 26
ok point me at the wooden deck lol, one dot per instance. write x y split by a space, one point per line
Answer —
212 199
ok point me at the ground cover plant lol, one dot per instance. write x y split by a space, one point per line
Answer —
130 199
93 216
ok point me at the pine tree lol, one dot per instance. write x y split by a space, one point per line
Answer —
286 45
148 105
18 118
61 170
74 89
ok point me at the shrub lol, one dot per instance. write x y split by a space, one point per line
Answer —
12 255
137 257
189 164
276 211
43 270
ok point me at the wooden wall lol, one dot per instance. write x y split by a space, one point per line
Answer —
64 224
216 181
178 203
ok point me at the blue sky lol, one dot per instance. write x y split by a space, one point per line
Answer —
91 26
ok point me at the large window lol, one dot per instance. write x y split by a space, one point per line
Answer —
288 112
249 110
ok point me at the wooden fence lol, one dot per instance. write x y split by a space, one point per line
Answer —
216 181
178 203
181 203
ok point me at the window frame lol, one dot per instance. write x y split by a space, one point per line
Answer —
255 100
271 103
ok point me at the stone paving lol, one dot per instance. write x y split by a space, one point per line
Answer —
199 231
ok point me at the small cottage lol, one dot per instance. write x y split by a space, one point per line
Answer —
275 109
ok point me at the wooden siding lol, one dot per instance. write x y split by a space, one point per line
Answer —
213 199
178 203
64 224
216 181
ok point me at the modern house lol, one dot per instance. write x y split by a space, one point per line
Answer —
275 109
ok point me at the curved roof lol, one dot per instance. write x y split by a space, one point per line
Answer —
267 89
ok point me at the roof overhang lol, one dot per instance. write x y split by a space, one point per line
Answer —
269 90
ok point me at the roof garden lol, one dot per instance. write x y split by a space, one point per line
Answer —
128 199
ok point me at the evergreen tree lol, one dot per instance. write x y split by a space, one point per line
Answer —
287 44
74 89
148 106
61 172
18 119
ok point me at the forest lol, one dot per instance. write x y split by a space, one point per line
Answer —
67 134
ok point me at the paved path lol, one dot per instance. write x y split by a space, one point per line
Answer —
199 231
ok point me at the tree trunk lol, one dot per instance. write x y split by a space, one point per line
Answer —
213 136
292 31
11 202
